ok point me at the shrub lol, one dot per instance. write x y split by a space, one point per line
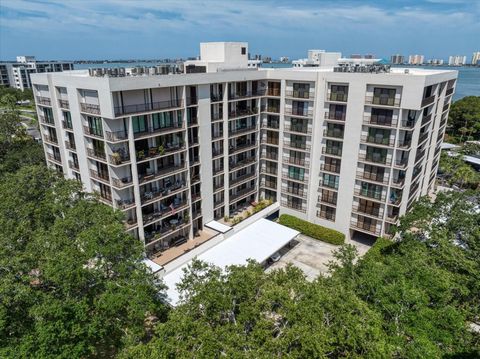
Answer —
312 230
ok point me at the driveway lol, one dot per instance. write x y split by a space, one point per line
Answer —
311 255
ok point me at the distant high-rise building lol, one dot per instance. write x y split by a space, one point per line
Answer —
457 60
397 59
369 56
476 58
284 59
355 56
416 59
17 74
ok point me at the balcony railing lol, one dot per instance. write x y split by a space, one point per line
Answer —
270 170
70 145
449 92
298 129
156 194
118 158
287 176
337 116
99 176
46 120
147 107
44 101
297 146
64 104
428 101
243 95
243 112
333 133
216 116
217 170
369 211
96 154
242 193
334 151
338 97
298 112
374 158
271 124
296 161
377 120
242 147
365 226
122 182
246 161
92 132
371 176
160 213
405 143
176 126
270 141
155 152
374 195
378 140
401 163
270 155
116 136
296 192
73 165
273 92
382 101
216 97
90 108
300 94
242 178
67 125
236 131
55 158
294 206
192 101
50 139
269 184
217 152
330 168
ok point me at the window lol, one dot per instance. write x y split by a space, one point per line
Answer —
139 124
68 119
328 196
329 180
332 164
160 120
327 212
244 50
95 125
296 173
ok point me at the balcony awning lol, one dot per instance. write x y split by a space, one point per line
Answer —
258 242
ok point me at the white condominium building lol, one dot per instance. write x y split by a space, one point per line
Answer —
416 59
457 60
476 58
349 146
17 74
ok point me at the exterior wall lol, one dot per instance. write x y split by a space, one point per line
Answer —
268 94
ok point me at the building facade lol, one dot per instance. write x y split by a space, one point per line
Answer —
17 74
397 59
347 148
416 59
476 58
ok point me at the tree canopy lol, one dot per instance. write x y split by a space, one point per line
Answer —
464 120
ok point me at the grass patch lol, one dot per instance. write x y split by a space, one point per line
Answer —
312 230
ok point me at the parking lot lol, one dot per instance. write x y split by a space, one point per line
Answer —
311 255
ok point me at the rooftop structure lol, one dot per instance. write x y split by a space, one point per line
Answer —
350 150
318 58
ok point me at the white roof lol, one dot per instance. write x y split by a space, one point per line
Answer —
258 241
448 146
219 227
472 159
154 267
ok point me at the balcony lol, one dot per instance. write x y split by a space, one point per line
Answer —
300 94
298 129
382 101
217 135
296 161
297 146
119 158
116 136
273 141
295 206
218 186
93 132
445 107
287 176
337 97
329 168
270 109
157 152
192 101
383 121
373 177
335 116
217 152
242 193
43 101
54 158
378 140
216 116
374 158
298 112
70 145
405 143
242 147
398 182
293 191
64 104
177 126
147 107
216 97
159 193
194 179
428 101
328 199
67 125
334 151
375 211
165 212
97 154
125 203
275 125
237 164
426 119
273 92
122 182
46 121
422 137
449 91
401 163
245 95
73 165
407 123
333 133
240 130
370 194
270 170
218 170
270 155
242 178
251 111
50 139
100 176
90 108
268 184
365 227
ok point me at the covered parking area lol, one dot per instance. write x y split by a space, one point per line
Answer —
258 242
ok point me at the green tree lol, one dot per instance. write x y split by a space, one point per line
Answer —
464 119
72 284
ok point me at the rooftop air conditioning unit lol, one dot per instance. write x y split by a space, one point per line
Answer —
91 72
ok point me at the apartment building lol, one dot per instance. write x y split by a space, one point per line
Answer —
457 60
349 147
397 59
476 58
416 59
17 74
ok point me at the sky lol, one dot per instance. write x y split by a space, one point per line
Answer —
154 29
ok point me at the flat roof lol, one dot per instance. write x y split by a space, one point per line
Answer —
219 227
154 267
258 242
448 146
